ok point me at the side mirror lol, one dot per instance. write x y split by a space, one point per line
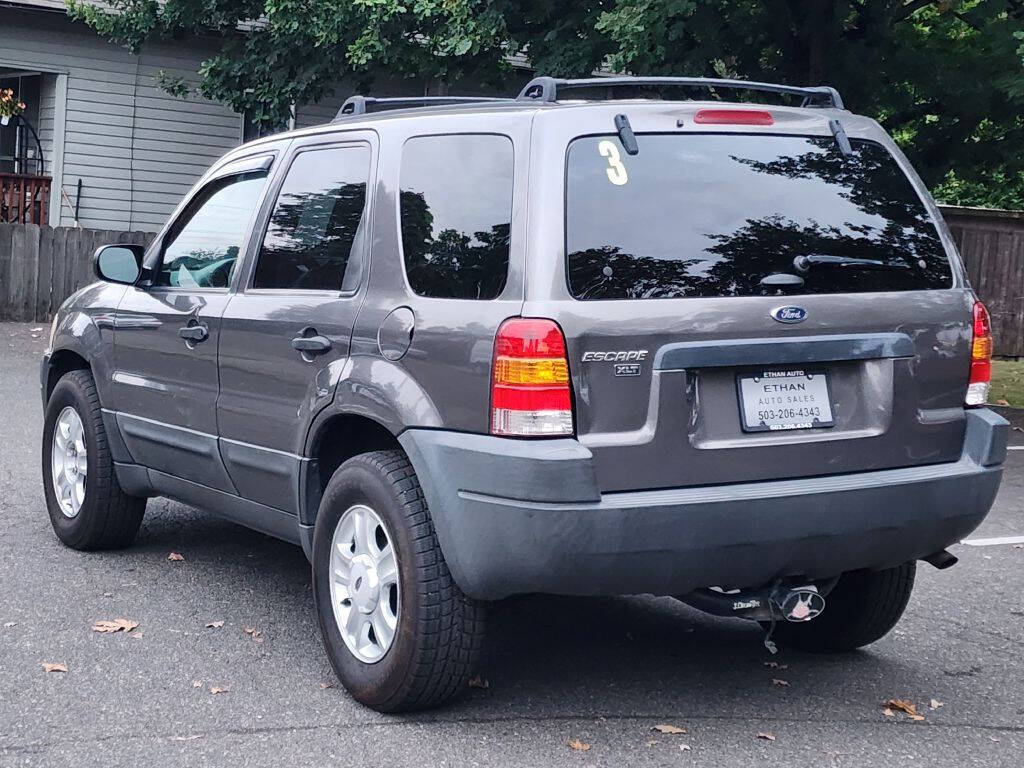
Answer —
118 263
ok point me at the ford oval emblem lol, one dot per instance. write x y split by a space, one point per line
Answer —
789 314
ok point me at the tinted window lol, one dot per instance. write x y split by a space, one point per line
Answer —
712 215
203 245
456 207
315 221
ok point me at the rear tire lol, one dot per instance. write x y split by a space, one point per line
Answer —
862 608
101 515
436 632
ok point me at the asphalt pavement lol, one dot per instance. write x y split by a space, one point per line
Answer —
599 672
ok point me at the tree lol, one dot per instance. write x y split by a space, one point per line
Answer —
945 77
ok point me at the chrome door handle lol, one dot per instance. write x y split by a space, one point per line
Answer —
194 333
311 343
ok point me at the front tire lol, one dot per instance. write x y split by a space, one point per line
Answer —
88 508
862 608
399 632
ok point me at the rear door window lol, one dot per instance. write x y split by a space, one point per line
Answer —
715 214
316 223
456 214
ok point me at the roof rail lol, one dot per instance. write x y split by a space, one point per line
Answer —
360 105
548 88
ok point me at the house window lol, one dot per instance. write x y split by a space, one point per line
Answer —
19 149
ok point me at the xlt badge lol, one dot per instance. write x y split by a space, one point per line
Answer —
627 369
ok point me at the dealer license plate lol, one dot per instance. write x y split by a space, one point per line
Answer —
778 400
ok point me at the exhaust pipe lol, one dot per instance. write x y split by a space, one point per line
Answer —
941 559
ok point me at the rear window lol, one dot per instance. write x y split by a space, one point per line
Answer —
716 214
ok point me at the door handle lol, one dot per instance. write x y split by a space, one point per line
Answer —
312 344
194 333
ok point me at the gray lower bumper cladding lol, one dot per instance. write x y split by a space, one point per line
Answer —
526 516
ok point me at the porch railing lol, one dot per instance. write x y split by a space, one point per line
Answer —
24 199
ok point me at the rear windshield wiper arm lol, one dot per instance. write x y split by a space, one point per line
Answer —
803 264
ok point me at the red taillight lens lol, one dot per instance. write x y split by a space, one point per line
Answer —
981 357
733 117
530 394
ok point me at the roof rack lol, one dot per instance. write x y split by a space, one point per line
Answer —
548 88
361 105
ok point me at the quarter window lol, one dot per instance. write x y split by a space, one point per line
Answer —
316 224
456 214
202 248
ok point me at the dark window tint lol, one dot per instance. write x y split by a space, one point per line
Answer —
202 247
316 220
713 215
456 205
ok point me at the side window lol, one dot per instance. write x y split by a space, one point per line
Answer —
456 213
316 221
202 247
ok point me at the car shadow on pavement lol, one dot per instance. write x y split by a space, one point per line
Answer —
546 655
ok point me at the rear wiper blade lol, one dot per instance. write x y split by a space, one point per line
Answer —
802 264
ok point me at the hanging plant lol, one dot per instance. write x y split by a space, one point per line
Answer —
9 106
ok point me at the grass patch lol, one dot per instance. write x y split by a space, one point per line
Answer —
1007 383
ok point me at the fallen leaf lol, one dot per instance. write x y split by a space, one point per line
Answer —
668 729
50 666
905 706
888 712
766 736
479 682
327 684
776 665
174 557
10 624
684 747
255 634
197 683
215 689
215 624
579 746
935 704
137 635
117 625
780 681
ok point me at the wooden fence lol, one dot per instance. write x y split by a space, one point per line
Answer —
992 246
41 266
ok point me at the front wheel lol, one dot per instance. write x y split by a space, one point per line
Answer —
88 508
862 608
399 633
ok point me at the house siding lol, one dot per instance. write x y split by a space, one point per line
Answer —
136 148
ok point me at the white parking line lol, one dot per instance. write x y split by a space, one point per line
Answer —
1015 447
994 542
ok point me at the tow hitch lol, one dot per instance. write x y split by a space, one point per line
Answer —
769 604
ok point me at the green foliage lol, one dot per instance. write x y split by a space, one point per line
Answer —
946 77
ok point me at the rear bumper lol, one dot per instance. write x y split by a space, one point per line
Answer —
517 516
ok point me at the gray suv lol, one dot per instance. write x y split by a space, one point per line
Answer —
568 343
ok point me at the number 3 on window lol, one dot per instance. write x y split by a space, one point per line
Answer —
616 170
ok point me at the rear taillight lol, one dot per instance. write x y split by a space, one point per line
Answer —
530 394
981 357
